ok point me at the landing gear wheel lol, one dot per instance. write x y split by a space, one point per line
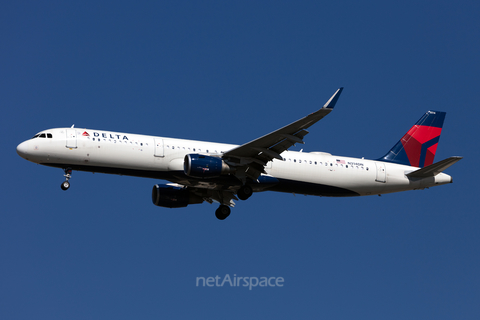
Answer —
65 185
222 212
68 174
244 192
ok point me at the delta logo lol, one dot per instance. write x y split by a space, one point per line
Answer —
106 135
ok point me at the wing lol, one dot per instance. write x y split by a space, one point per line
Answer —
251 158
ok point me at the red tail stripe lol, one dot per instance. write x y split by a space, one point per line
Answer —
422 133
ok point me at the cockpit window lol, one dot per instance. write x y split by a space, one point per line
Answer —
43 135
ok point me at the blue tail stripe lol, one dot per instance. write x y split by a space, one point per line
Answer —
425 146
432 119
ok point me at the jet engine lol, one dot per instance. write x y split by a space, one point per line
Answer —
201 166
173 197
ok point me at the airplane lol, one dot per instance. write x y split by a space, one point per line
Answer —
201 171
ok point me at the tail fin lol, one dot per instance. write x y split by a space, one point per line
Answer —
418 146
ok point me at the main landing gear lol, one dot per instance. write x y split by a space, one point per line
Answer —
222 212
244 192
68 174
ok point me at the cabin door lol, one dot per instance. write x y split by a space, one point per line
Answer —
159 152
71 138
381 172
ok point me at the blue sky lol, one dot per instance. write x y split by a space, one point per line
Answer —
231 72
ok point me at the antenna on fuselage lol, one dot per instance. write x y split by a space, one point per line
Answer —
73 125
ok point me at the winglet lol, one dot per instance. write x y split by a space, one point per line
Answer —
333 100
434 169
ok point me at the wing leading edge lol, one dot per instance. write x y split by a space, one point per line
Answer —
251 158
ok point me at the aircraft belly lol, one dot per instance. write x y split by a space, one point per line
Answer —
314 189
314 180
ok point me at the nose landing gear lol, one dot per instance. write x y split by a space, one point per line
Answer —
68 174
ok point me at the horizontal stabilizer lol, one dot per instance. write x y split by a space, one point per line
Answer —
434 169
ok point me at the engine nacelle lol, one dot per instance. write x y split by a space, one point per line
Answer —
201 166
173 197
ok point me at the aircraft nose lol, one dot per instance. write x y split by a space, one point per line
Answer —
22 149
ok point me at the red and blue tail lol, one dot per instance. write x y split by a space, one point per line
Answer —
418 146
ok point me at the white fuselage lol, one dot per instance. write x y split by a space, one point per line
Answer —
163 158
